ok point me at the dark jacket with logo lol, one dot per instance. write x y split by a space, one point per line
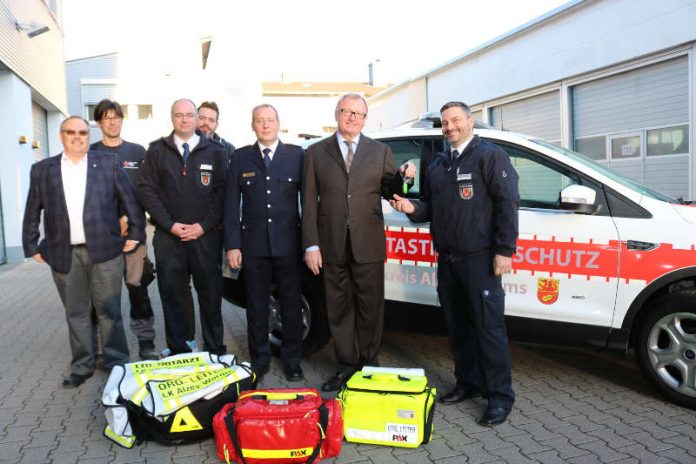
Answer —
269 224
471 203
172 192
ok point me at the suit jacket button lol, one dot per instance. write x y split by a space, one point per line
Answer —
270 220
268 191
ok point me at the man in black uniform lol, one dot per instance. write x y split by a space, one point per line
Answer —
208 114
182 186
266 178
471 200
139 271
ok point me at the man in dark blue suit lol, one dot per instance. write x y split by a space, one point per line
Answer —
82 195
266 178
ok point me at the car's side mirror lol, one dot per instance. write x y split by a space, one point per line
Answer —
579 199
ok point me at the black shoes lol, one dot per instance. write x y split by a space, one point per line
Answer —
293 373
494 416
336 382
146 350
75 380
457 395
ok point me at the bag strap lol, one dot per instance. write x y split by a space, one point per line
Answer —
428 418
323 423
232 432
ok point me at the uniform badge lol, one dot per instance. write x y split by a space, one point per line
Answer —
205 178
466 191
547 290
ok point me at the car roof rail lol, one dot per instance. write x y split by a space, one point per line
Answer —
431 119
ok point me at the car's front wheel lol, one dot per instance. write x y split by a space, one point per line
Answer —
666 346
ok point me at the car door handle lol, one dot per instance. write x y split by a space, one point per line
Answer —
636 245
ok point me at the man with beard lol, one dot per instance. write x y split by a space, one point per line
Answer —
208 114
471 200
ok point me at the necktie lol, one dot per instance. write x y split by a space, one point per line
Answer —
187 152
266 157
455 153
349 155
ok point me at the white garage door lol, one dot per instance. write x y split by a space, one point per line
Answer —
637 123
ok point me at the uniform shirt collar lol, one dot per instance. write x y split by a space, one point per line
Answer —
273 147
193 141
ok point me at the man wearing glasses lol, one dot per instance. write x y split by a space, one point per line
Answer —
182 186
139 271
81 196
345 177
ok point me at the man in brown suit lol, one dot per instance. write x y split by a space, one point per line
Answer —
344 232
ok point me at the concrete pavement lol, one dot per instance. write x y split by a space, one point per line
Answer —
572 406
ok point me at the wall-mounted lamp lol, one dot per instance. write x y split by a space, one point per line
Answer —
22 139
32 29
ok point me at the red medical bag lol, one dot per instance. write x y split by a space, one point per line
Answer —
284 425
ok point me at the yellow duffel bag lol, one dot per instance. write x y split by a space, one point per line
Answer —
383 408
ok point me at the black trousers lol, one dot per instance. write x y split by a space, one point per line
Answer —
355 309
177 262
259 275
473 300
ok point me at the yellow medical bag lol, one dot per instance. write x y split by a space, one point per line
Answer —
388 409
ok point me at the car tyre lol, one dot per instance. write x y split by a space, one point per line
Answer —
666 346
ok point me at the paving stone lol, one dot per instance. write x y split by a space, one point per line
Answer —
603 452
65 458
678 455
642 454
36 455
611 438
512 456
548 457
575 436
475 453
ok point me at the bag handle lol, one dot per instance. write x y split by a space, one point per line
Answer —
386 376
323 424
277 395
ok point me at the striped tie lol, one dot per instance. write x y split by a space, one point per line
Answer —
349 155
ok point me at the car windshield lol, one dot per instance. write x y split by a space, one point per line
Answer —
633 185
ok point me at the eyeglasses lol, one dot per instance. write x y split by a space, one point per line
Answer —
184 115
111 118
71 132
349 113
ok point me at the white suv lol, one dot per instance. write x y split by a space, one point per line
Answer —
601 260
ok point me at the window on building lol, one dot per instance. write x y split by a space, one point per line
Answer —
668 141
89 111
144 111
592 147
625 147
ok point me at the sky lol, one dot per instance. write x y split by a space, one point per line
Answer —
298 40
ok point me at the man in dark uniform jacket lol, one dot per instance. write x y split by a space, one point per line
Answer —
139 271
471 199
182 186
266 178
208 120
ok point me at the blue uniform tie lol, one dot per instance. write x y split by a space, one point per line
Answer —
455 154
187 152
266 157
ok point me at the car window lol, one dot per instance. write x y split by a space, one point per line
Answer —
540 182
418 150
